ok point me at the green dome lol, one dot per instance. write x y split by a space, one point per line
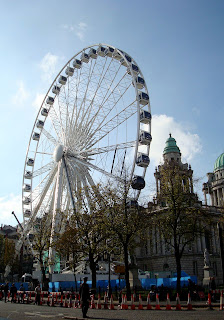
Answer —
171 146
219 164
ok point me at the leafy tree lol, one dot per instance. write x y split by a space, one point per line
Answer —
182 219
125 221
68 245
41 242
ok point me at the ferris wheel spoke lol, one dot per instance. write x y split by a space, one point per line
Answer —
49 136
56 122
109 103
119 146
112 124
105 173
89 112
30 223
43 169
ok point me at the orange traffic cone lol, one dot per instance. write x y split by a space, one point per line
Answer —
178 306
125 303
149 307
157 302
70 301
52 300
61 301
92 303
65 305
189 305
105 301
140 306
168 305
122 302
210 301
111 307
56 298
98 302
48 300
132 302
221 301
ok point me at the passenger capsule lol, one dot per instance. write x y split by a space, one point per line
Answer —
92 53
84 57
50 100
40 124
62 80
101 51
116 55
134 69
27 213
143 98
138 183
30 162
26 187
69 71
140 82
77 64
36 136
26 200
56 89
142 160
126 61
44 112
109 51
145 138
145 117
28 175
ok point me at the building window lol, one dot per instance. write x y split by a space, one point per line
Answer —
165 267
195 268
207 240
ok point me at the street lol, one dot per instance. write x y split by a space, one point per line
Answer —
30 311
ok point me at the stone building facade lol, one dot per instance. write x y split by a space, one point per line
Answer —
155 256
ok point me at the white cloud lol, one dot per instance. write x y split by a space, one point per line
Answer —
38 101
79 29
48 65
21 95
7 205
189 143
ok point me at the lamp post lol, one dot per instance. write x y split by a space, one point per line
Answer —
108 256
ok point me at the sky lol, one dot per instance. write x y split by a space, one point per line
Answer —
178 45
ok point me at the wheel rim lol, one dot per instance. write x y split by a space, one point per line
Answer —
93 124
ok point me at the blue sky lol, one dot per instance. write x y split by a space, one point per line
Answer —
178 45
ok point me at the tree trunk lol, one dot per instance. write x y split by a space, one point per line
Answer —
93 270
127 272
178 265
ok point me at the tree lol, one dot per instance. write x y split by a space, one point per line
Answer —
68 245
182 219
125 221
41 242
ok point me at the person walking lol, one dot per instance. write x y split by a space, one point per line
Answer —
85 297
22 293
13 292
38 292
6 289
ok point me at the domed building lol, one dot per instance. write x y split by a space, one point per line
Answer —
215 185
158 257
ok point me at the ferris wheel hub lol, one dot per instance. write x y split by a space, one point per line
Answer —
58 153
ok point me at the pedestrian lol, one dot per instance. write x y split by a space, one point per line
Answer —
13 292
6 289
22 292
84 296
38 292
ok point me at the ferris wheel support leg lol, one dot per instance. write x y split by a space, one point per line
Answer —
56 216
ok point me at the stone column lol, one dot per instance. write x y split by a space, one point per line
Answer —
205 198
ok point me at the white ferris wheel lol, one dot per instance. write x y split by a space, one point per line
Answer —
94 122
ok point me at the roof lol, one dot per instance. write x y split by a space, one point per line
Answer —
219 163
171 146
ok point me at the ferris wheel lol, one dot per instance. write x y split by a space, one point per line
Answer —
94 122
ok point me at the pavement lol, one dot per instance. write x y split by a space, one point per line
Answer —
30 311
